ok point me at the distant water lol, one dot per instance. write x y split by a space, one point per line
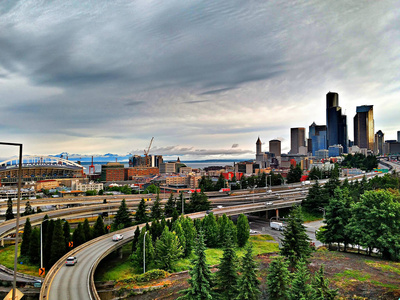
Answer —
192 164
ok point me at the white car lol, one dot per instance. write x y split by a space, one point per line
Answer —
268 203
253 231
117 237
71 261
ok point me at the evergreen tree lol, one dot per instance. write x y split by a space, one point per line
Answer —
227 276
248 282
28 209
168 249
300 289
67 235
220 183
78 237
169 206
243 230
156 229
294 174
99 227
315 199
135 239
190 235
295 243
58 243
211 230
278 279
156 210
48 241
321 288
262 181
34 247
141 216
137 257
181 203
178 230
200 276
223 224
87 230
9 211
122 218
26 238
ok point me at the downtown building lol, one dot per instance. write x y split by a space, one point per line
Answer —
336 122
364 127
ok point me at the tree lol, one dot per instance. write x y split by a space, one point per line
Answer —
34 247
87 230
141 216
321 287
58 243
294 174
210 228
169 206
190 234
295 242
243 230
99 227
178 230
200 276
28 209
168 249
78 237
206 184
67 235
248 282
137 257
300 289
223 224
156 210
220 183
199 202
227 276
135 239
26 238
48 241
315 199
9 211
122 218
278 279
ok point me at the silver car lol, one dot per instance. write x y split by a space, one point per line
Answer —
71 261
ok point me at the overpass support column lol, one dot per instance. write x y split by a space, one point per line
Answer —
277 214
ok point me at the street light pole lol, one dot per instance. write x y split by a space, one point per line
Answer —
253 191
14 290
144 253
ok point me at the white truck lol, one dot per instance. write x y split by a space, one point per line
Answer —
276 225
306 182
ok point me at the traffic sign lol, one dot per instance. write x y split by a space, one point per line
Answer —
41 271
18 295
108 227
70 244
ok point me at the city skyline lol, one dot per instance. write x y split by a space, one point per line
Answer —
205 79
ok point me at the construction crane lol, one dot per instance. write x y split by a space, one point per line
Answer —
146 153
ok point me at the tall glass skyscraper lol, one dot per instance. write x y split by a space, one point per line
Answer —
364 127
336 123
317 135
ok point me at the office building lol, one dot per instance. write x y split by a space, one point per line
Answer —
275 147
317 136
297 139
321 154
398 136
261 158
364 127
336 123
335 150
379 141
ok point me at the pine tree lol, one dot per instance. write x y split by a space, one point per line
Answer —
227 276
278 279
48 241
78 237
243 230
9 211
168 249
122 218
87 230
156 210
300 289
320 284
141 216
67 235
248 283
169 206
295 243
223 223
190 235
177 228
28 209
137 257
34 247
200 276
135 239
58 243
211 230
26 238
99 228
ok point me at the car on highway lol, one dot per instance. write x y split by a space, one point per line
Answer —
268 203
253 231
117 237
71 261
220 206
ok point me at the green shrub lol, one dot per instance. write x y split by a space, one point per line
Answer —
148 276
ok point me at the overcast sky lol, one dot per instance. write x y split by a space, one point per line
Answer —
204 78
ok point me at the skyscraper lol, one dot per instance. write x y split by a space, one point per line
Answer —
364 127
379 142
336 123
275 147
317 135
297 139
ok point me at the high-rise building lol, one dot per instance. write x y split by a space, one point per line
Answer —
275 147
364 127
398 136
336 123
317 135
379 142
297 139
261 158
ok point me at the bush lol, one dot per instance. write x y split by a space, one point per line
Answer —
148 276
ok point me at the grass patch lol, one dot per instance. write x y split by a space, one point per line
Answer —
7 260
311 217
385 266
122 270
353 274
